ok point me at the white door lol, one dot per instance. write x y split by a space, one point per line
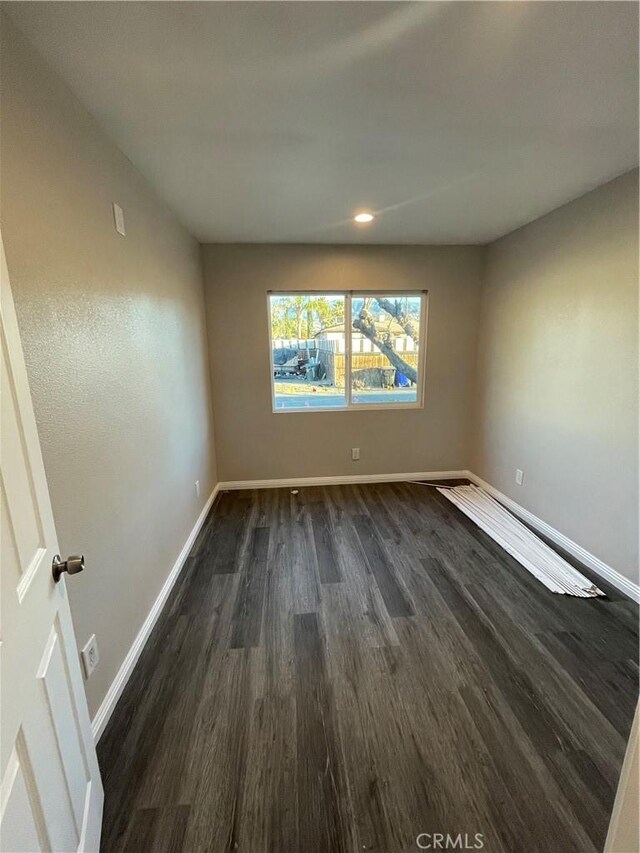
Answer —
51 793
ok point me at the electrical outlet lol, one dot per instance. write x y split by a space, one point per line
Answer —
197 485
519 477
355 454
90 656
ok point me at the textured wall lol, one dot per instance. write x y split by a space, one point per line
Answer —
252 442
558 371
114 338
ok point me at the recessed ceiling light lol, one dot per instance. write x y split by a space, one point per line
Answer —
363 217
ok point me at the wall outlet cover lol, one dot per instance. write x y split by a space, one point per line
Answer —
355 454
197 484
519 477
90 656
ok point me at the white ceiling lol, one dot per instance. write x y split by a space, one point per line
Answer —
265 121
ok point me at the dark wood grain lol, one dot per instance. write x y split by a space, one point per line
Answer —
395 598
325 819
345 668
247 614
160 830
323 537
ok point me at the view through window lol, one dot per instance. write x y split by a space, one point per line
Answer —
339 350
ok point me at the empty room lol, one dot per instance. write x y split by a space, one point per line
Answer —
319 427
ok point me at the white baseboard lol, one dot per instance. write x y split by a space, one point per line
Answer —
99 722
585 557
301 482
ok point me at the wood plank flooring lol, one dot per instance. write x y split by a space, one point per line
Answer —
348 667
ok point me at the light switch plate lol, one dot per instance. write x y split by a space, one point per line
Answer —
118 218
90 656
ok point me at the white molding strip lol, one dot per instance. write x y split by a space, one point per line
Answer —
585 557
301 482
99 722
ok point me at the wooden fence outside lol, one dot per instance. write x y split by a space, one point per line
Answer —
334 363
359 344
364 355
296 343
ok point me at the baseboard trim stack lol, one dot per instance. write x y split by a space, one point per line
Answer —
587 559
526 546
99 722
302 482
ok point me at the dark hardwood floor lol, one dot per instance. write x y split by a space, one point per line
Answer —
343 669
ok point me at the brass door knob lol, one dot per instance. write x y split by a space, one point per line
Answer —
72 565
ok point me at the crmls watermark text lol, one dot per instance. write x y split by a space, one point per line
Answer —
447 841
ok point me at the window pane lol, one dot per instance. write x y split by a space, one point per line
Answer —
385 337
308 358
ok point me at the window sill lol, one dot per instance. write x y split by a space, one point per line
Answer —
356 407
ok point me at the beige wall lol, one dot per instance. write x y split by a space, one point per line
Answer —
254 443
558 371
114 338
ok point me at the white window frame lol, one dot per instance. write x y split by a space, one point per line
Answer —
349 405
